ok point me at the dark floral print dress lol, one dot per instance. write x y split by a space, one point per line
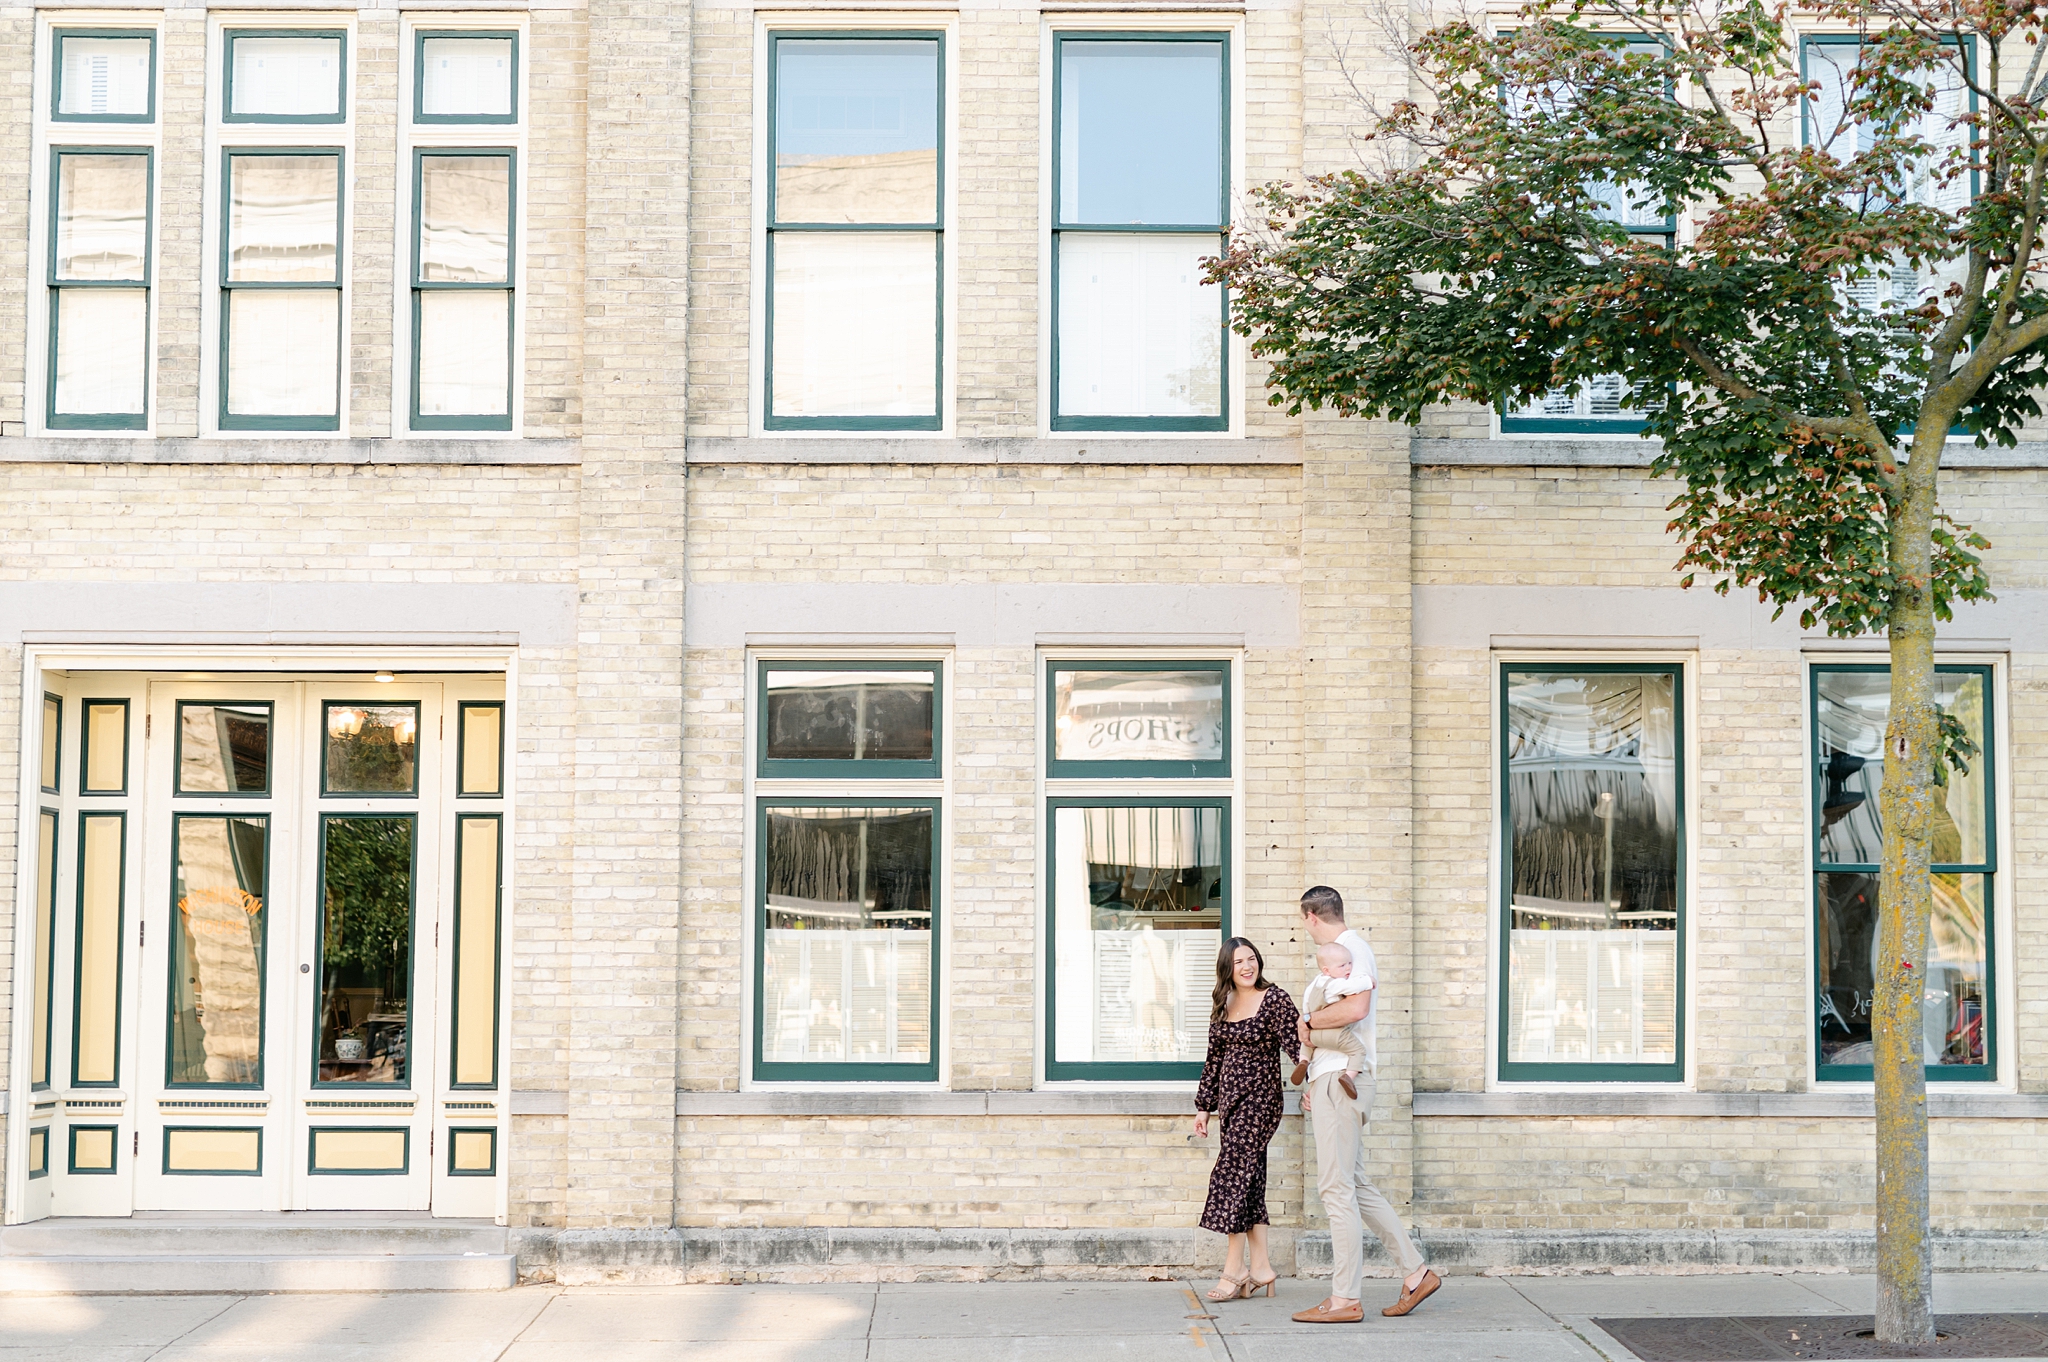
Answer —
1241 1084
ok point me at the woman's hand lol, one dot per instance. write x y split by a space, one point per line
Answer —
1201 1125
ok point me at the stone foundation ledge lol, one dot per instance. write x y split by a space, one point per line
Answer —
655 1257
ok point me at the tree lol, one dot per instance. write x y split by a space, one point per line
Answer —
1855 276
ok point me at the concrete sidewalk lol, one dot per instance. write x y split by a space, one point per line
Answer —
1473 1319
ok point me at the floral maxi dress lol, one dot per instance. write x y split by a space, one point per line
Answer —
1241 1084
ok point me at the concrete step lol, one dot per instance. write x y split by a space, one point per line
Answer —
193 1251
222 1274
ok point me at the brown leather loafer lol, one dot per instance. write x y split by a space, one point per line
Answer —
1410 1299
1325 1314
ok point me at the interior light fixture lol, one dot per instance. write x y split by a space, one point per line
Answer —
384 678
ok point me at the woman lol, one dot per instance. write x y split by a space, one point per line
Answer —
1250 1023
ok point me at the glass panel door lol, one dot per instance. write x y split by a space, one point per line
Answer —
220 913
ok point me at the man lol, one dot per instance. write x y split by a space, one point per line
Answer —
1349 1197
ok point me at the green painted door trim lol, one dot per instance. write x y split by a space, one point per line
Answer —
936 227
171 1172
420 286
1056 769
1056 1069
1987 1072
1060 226
71 1152
1511 1071
489 1172
85 709
766 1071
462 709
48 823
412 954
422 118
172 949
787 768
57 37
313 1134
462 822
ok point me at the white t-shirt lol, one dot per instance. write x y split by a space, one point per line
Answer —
1365 973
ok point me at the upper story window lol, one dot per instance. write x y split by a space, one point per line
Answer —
101 136
1851 709
1141 184
856 221
846 868
1592 873
1140 865
284 107
1594 407
466 137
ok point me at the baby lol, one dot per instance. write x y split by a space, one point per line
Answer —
1333 983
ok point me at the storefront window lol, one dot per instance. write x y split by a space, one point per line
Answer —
1592 861
846 896
1852 705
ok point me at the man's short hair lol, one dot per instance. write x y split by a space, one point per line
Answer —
1325 902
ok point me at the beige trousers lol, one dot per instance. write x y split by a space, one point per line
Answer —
1349 1199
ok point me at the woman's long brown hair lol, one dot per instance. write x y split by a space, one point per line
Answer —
1221 997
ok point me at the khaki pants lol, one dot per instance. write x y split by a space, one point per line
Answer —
1349 1199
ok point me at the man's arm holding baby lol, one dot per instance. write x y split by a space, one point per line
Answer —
1346 1010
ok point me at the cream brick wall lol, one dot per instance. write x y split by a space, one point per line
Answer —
181 223
17 112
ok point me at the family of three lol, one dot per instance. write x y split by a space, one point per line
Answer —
1333 1041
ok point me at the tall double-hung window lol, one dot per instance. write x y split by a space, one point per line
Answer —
1594 407
856 222
465 133
101 130
1592 934
848 808
282 104
1140 838
1141 195
1851 708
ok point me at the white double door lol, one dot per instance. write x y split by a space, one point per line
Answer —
291 896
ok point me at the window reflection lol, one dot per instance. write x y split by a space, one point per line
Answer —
1138 900
223 749
1592 790
365 949
848 935
1127 715
217 889
372 749
849 716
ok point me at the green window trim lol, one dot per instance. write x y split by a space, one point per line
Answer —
1511 1071
38 1152
57 37
52 418
178 748
489 1172
170 1172
1056 769
71 1152
1060 226
508 288
223 418
85 708
497 956
413 793
227 80
766 1071
57 775
120 946
172 961
787 768
1127 1071
420 117
462 710
1987 1072
412 924
313 1152
935 420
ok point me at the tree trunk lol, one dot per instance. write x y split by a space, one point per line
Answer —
1905 1273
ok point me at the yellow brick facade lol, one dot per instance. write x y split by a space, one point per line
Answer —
1365 580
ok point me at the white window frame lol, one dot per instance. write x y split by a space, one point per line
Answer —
220 135
49 131
796 24
413 137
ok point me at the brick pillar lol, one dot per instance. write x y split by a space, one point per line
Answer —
626 882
